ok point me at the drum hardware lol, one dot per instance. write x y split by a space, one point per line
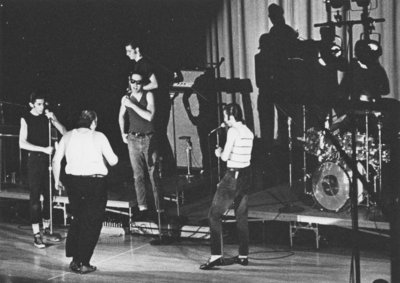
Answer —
290 207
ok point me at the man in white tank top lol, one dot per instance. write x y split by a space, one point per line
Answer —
233 187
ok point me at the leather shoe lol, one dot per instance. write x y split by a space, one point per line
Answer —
210 264
75 267
241 261
87 269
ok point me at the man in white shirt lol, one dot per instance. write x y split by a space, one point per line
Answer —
233 187
86 152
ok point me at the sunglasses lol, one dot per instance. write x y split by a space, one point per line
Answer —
135 82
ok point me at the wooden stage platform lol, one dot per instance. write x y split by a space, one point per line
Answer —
130 257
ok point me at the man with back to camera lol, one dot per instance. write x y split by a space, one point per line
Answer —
86 152
233 188
34 137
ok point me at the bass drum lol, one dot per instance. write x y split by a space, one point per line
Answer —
331 186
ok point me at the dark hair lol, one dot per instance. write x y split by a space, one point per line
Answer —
131 73
234 110
36 95
86 118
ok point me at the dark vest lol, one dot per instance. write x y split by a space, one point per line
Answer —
136 123
38 129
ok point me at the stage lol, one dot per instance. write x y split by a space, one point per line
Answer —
131 258
277 253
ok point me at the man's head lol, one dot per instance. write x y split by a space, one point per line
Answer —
232 114
136 82
275 13
133 50
37 102
88 119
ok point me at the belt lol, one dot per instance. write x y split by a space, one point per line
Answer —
38 154
140 135
238 169
90 176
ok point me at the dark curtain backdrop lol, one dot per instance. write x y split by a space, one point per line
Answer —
234 35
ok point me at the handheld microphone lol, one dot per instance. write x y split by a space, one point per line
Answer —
216 129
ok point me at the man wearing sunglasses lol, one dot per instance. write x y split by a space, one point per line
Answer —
141 141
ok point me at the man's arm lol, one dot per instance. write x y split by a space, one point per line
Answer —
230 141
54 121
23 140
147 113
121 122
107 150
153 84
56 163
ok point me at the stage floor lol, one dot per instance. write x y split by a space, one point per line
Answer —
131 258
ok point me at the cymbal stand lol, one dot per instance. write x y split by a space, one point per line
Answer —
305 175
366 147
379 115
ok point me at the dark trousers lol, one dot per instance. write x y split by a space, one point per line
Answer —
87 198
38 181
232 189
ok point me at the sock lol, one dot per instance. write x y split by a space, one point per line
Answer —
242 256
35 228
46 223
215 257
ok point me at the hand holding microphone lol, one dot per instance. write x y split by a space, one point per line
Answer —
218 152
216 129
49 115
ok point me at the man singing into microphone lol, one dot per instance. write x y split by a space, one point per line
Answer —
233 187
34 137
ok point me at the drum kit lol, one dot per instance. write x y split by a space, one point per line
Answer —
331 181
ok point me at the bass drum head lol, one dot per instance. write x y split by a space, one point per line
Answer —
331 186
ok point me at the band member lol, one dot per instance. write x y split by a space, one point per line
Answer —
141 65
139 105
156 78
34 137
86 152
367 79
233 187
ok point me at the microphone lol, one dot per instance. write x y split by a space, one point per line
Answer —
47 111
216 129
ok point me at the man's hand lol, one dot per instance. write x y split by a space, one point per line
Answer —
218 152
59 186
50 115
126 101
48 150
124 138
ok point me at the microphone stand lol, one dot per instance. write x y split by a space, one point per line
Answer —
289 206
54 237
219 103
